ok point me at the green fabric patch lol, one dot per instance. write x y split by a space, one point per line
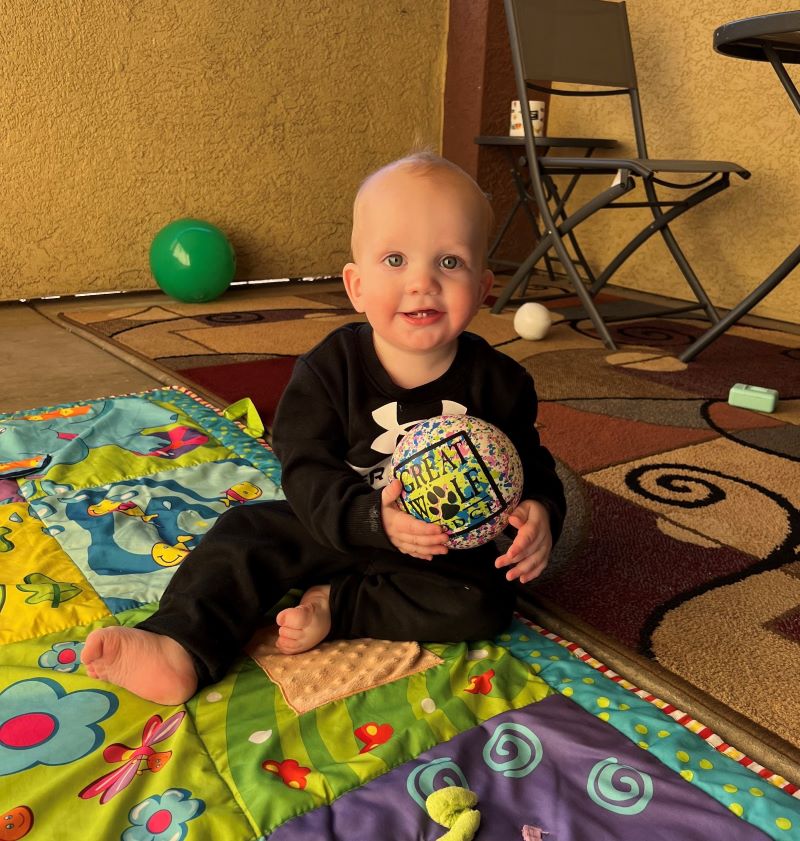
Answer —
283 765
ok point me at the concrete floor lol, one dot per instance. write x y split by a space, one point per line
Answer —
44 364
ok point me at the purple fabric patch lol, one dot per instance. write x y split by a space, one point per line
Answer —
9 491
550 765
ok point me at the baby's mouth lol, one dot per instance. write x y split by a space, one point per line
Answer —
419 314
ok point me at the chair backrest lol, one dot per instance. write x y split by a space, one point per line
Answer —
582 42
576 41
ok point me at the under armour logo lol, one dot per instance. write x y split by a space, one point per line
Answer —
386 418
379 474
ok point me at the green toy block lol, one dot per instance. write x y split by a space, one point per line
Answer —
753 397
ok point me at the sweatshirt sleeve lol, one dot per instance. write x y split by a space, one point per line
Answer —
334 503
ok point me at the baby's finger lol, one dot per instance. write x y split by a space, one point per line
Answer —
425 546
429 542
535 572
504 561
391 492
513 555
528 567
431 538
518 517
514 573
420 527
416 552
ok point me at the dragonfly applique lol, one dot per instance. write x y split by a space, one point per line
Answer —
136 760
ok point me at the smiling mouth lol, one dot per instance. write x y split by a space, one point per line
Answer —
421 313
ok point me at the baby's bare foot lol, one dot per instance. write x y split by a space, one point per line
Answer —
301 628
151 666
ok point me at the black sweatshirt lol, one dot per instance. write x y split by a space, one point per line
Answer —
341 417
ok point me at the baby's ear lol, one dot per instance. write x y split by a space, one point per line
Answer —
352 285
487 281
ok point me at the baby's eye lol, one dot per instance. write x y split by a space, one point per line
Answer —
450 262
394 260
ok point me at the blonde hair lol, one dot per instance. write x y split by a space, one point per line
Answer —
426 162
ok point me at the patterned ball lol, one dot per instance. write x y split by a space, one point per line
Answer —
460 472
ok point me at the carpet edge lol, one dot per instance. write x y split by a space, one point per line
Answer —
166 376
759 744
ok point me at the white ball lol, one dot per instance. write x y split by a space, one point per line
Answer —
532 321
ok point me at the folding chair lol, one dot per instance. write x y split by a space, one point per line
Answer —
587 42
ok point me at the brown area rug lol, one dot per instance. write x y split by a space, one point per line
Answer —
680 563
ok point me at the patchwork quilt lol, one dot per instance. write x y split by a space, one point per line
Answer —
521 737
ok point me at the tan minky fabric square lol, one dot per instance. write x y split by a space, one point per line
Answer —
337 669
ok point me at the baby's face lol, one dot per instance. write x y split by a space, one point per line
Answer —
419 248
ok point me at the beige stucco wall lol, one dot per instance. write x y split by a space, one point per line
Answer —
260 116
698 103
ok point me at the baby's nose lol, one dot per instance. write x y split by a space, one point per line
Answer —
422 280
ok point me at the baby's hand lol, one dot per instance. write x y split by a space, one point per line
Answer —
529 553
408 534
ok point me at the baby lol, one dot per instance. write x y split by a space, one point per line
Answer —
419 273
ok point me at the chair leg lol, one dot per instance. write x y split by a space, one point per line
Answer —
654 227
524 200
553 239
688 273
582 292
744 307
590 277
502 232
522 274
560 214
679 256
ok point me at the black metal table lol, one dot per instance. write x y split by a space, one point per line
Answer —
514 148
774 38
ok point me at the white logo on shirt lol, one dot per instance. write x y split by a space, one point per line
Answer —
386 416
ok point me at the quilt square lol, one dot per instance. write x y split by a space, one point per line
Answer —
41 590
78 446
127 537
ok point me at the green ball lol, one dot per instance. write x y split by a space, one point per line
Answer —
192 260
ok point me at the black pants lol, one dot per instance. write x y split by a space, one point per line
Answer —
255 553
